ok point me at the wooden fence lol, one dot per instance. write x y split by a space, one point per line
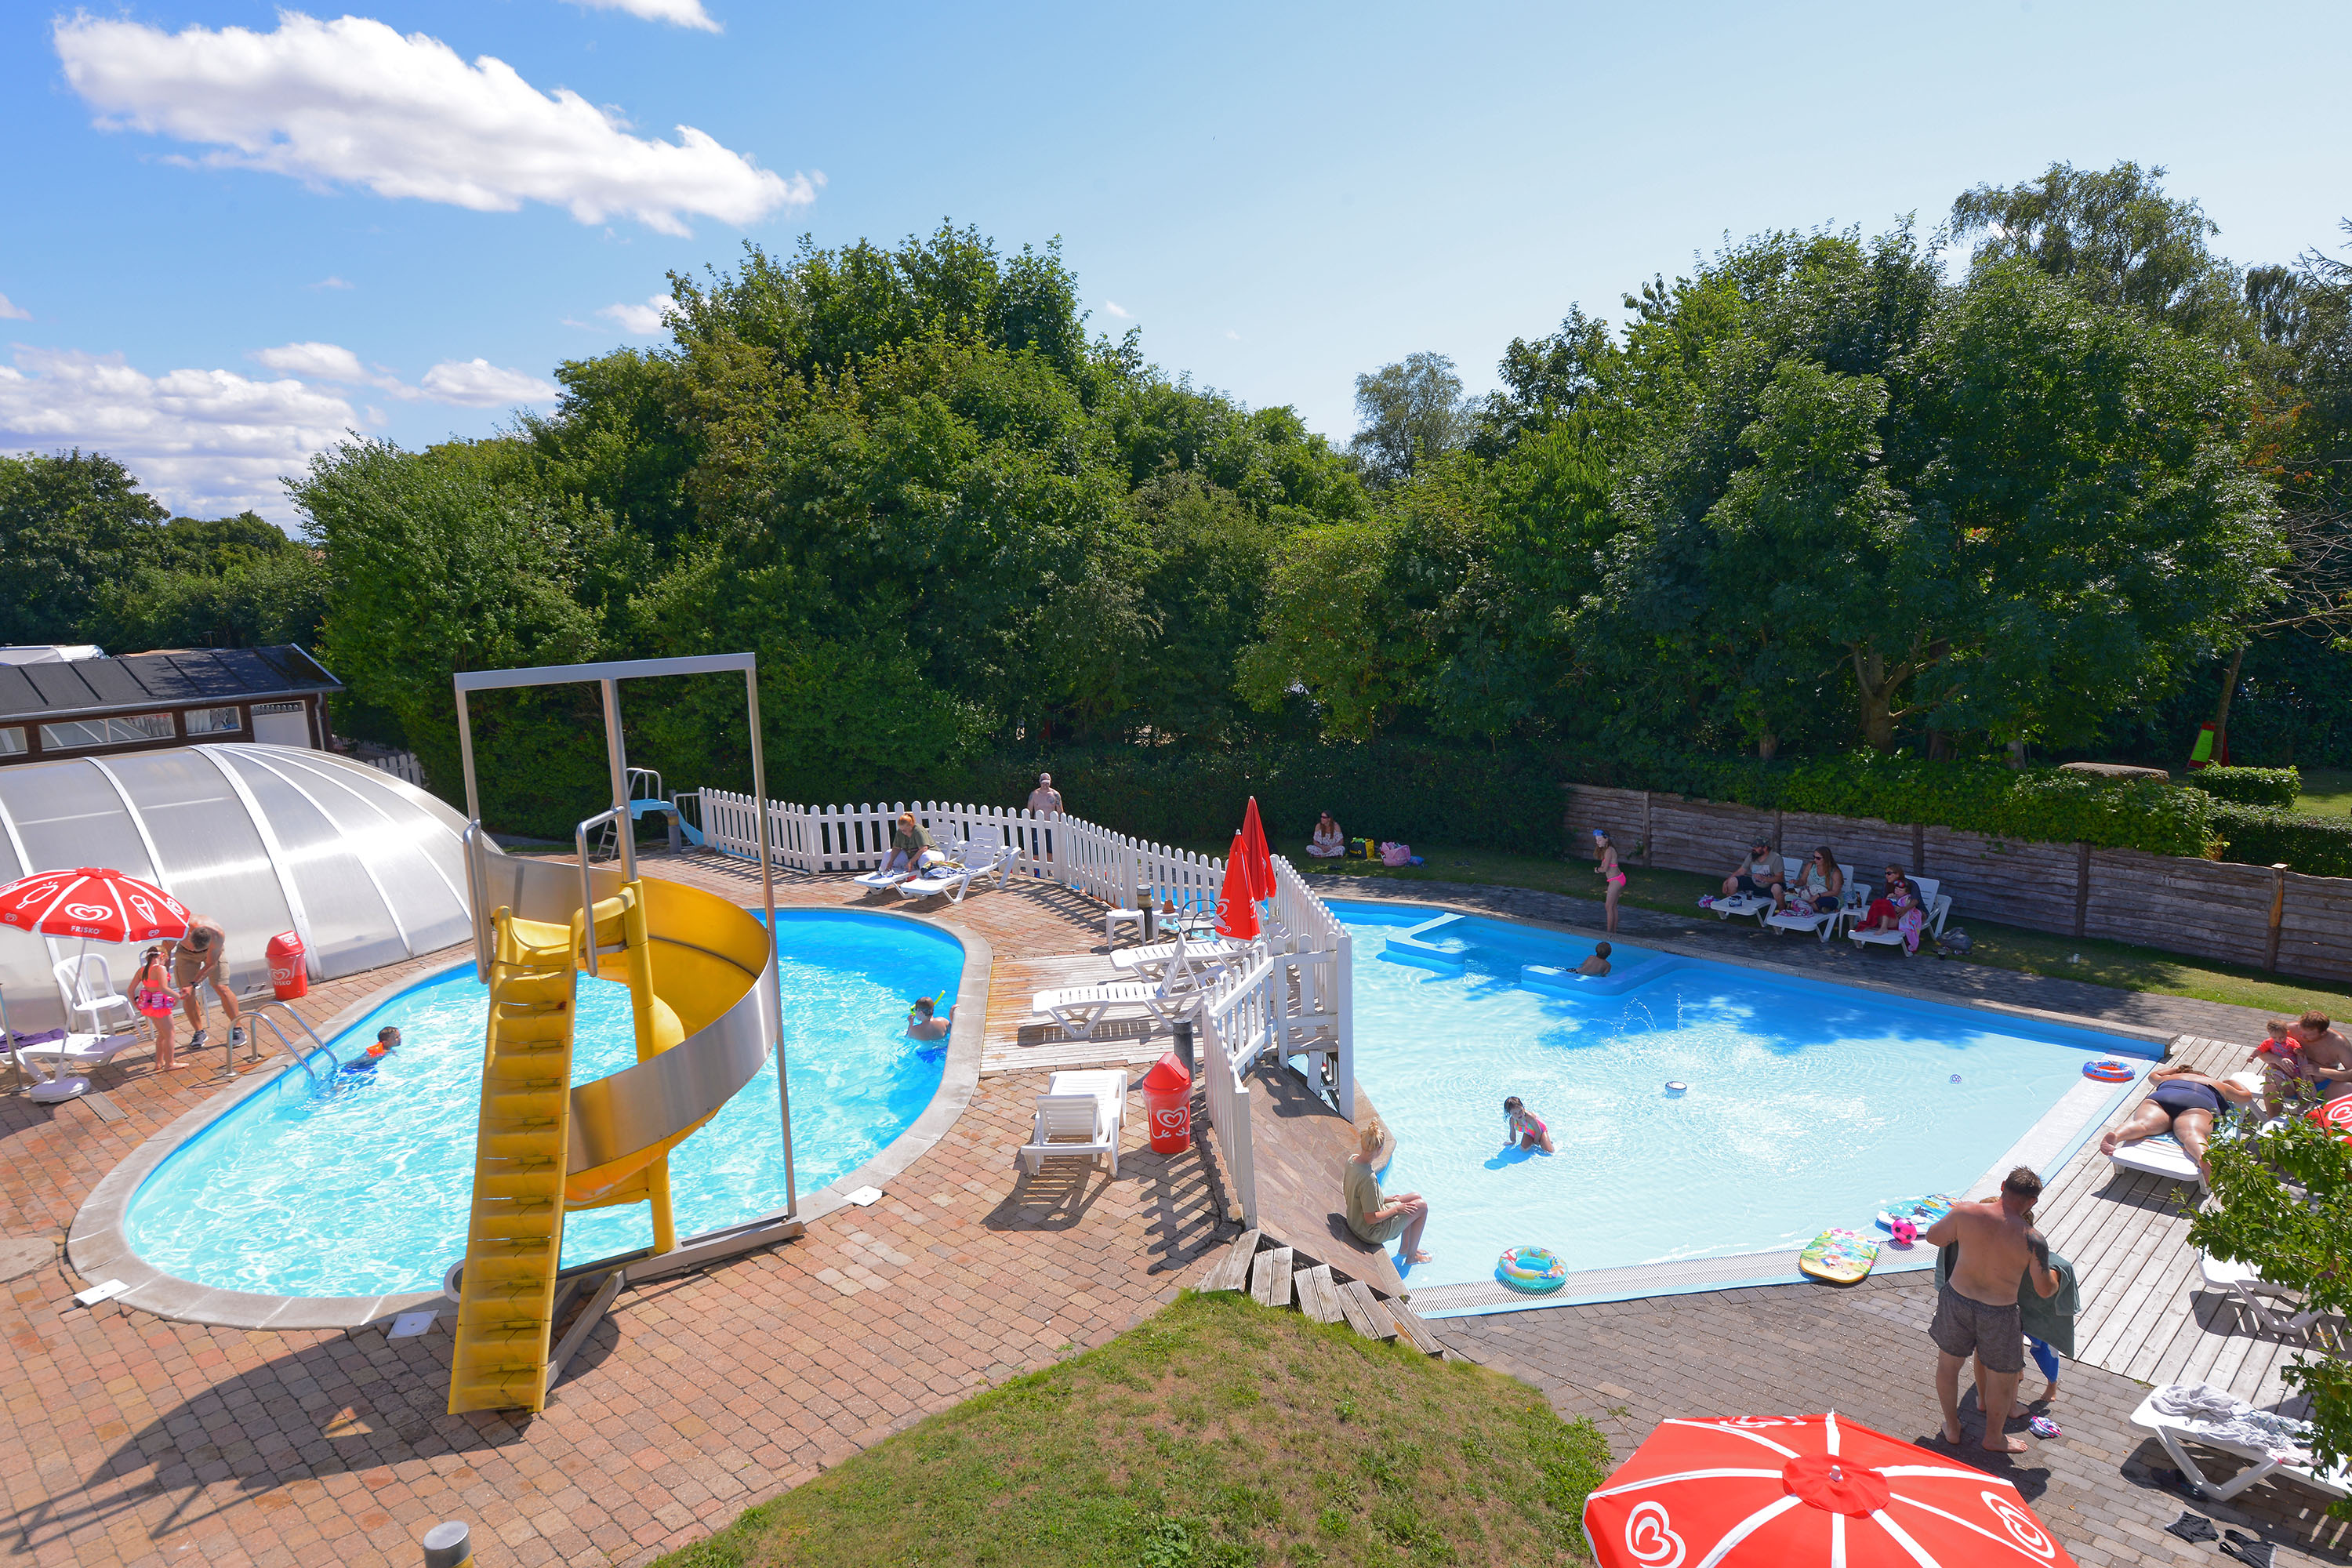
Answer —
2267 917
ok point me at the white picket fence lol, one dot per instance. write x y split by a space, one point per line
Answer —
1295 992
402 765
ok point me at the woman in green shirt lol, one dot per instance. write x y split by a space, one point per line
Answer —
1368 1216
907 845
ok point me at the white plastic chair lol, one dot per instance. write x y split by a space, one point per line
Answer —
2173 1431
1938 906
1081 1114
2271 1307
81 997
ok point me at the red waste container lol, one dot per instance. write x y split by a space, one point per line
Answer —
1168 1102
287 975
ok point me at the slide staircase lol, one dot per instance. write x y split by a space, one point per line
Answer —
690 961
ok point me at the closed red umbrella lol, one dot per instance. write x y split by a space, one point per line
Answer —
1259 858
1788 1490
94 903
1236 901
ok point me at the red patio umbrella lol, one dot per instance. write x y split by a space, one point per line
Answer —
94 903
1778 1491
1251 848
1236 901
2336 1115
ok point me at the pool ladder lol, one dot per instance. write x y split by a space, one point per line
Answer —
261 1016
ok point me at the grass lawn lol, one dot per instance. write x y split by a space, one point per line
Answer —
1218 1432
2114 963
2326 792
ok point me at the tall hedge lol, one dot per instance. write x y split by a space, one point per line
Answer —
2281 787
2263 836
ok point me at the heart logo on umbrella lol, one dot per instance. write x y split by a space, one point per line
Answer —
1649 1539
2022 1527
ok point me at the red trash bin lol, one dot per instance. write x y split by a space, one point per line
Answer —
287 976
1168 1103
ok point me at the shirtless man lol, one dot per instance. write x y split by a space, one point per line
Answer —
1976 1309
198 959
2323 1060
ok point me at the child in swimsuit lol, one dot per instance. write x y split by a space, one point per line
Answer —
1520 1124
151 994
1612 875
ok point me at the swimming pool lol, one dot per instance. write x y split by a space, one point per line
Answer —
365 1191
1808 1104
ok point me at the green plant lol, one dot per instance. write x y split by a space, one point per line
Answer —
2263 836
2249 786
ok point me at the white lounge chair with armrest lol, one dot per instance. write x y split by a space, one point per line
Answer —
1759 904
1081 1114
1857 899
1079 1009
1204 959
2173 1431
1938 906
985 854
2162 1155
2274 1307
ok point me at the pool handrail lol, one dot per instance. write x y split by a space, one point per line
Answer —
261 1016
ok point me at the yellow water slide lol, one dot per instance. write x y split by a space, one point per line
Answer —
692 962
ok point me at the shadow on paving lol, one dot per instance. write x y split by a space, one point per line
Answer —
1183 1198
1864 1352
351 1404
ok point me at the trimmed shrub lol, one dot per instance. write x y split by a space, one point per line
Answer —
2249 786
2264 835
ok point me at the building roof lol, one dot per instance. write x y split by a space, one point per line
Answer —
176 677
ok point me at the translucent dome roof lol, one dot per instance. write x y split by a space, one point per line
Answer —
369 870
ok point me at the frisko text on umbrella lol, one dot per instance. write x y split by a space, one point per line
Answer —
95 903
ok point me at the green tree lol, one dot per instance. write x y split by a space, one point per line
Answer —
70 525
1411 414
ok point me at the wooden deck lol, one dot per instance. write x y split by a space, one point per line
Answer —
1018 1040
2146 1313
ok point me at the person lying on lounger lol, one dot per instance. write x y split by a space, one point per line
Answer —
2184 1104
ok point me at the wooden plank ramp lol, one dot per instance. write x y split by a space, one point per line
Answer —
1279 1276
1270 1278
2146 1311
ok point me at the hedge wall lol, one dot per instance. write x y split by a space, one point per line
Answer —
2249 786
2263 836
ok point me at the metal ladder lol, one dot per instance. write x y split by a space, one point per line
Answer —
644 786
253 1044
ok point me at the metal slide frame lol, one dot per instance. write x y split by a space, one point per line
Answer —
609 676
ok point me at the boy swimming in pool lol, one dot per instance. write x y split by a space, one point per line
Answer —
1520 1123
387 1040
1598 963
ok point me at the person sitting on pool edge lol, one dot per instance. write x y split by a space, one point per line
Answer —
1371 1219
924 1022
2184 1104
1520 1123
1598 963
387 1040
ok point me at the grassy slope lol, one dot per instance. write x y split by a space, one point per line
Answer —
2114 963
1217 1432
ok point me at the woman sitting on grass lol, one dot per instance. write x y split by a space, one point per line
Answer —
1329 842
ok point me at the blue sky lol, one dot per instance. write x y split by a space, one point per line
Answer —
223 246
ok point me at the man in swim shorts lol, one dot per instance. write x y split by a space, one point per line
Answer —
2322 1061
200 957
1976 1309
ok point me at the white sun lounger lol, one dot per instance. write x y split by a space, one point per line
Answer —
1938 906
1746 904
2162 1155
985 854
1080 1114
1203 960
1857 898
2271 1307
1079 1008
2173 1431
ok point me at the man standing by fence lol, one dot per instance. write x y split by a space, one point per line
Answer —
1046 801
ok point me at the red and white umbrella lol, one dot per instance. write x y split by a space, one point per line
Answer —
1237 899
93 903
1778 1491
2336 1115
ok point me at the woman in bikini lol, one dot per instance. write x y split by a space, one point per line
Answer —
1613 876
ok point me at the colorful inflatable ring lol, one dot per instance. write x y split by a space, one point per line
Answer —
2107 1069
1531 1269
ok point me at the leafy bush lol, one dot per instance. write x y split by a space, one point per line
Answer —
2046 805
2264 835
2249 786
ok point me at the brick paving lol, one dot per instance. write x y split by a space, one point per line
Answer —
134 1440
1864 1353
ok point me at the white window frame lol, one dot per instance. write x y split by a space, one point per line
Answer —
236 724
118 730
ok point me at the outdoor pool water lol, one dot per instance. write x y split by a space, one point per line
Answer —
365 1191
1810 1104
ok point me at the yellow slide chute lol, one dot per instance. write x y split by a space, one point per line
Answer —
688 959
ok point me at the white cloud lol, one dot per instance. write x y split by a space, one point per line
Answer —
478 384
639 319
683 13
330 362
12 312
206 441
1233 334
330 282
1114 307
351 102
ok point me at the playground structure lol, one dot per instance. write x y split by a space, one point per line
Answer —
701 975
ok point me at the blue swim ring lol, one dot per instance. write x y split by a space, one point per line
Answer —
1531 1269
2107 1069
